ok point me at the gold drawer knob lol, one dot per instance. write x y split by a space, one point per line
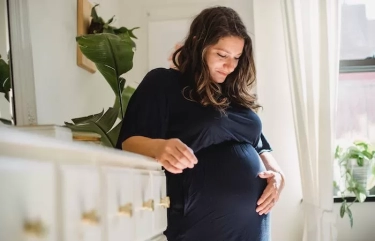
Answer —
34 228
149 205
126 210
165 202
90 217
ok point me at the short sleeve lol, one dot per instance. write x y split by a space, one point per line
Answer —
263 145
147 111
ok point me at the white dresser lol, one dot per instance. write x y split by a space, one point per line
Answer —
56 190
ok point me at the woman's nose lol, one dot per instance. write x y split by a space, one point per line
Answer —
230 65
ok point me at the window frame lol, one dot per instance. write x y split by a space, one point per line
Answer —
347 66
357 65
351 199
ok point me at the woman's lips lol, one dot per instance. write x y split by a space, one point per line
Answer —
222 73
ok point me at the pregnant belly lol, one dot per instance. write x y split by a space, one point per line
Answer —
225 180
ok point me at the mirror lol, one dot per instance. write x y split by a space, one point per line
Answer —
6 113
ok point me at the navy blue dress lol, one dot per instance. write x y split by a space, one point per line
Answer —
215 200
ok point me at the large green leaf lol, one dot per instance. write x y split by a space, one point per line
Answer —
126 94
86 119
360 193
92 127
95 16
338 151
112 55
114 133
5 121
369 155
350 216
108 119
4 78
101 125
125 30
343 209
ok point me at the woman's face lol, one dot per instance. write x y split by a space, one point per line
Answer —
222 58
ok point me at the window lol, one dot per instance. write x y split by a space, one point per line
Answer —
356 88
357 53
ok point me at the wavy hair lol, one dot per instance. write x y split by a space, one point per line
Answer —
206 30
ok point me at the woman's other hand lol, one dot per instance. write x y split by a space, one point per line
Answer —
174 155
271 193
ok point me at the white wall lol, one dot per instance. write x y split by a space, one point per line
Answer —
274 95
4 39
64 90
140 13
363 226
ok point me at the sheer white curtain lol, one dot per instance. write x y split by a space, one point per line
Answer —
311 29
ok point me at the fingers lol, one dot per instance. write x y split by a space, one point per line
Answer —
267 200
267 193
188 153
266 208
169 167
176 161
176 156
261 207
266 174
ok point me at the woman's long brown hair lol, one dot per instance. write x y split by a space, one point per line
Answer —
207 29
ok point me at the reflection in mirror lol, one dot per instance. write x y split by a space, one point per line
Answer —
5 73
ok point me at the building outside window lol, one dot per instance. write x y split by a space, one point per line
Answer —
355 116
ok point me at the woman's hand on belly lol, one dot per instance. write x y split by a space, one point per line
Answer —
271 193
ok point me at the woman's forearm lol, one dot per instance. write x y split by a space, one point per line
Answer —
142 145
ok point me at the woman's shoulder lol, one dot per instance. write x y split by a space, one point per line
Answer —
161 78
163 73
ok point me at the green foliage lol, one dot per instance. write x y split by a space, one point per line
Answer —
112 51
98 25
4 78
5 84
124 100
362 153
112 55
101 123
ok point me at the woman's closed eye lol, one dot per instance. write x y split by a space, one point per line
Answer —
225 56
221 55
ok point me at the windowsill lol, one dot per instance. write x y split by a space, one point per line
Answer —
351 199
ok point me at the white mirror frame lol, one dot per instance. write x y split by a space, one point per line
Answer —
23 84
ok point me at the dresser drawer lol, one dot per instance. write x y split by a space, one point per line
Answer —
118 184
144 204
161 202
27 198
81 203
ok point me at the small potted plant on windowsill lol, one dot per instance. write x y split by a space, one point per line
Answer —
357 169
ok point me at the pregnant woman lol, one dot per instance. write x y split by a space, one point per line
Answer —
199 121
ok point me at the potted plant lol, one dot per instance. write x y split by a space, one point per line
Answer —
357 174
112 51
